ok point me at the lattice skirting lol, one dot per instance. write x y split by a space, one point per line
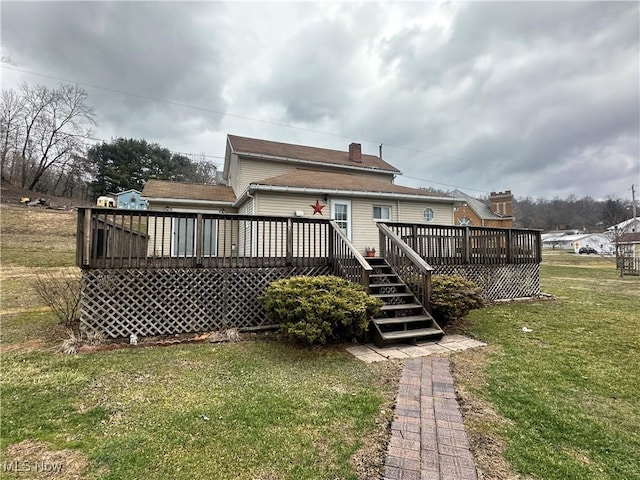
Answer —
498 281
153 302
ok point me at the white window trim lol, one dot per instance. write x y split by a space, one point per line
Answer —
380 219
432 212
340 201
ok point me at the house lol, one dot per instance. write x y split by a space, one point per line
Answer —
279 179
628 226
200 257
473 212
130 200
574 241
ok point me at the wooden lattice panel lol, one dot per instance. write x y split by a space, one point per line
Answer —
118 303
499 282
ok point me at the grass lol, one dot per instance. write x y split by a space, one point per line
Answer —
251 410
570 389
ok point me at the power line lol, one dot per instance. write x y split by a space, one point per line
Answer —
224 114
243 117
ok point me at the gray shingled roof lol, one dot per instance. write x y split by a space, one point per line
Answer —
188 191
314 179
310 154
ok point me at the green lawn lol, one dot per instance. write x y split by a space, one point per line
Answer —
250 410
570 389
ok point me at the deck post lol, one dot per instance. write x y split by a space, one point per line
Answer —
86 254
427 291
509 245
289 241
199 239
467 245
382 244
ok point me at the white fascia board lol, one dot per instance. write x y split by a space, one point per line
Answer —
310 162
342 193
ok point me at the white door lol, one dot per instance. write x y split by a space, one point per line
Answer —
341 213
183 236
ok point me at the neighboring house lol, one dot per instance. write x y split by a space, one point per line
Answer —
473 212
271 178
599 241
130 200
628 226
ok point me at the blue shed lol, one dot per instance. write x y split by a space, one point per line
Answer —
130 200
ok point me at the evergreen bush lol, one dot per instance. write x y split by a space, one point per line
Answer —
319 310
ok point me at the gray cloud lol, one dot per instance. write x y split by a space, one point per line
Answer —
539 97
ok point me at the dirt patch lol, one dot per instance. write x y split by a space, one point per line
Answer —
368 461
480 419
28 346
35 460
12 195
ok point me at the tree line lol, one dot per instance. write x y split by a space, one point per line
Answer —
45 135
572 213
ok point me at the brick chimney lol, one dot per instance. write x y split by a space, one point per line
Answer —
355 152
502 203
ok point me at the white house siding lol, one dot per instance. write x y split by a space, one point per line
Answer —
363 226
250 170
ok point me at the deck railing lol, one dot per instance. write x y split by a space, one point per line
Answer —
347 261
409 266
457 245
112 238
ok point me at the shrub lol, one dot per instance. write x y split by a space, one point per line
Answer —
61 292
453 297
319 310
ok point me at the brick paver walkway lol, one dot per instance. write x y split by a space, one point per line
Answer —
428 439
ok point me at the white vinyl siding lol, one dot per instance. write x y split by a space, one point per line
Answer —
364 231
249 170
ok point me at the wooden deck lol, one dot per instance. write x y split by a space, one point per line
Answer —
161 272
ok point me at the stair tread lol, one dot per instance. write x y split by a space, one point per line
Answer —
387 285
408 319
401 306
418 332
391 295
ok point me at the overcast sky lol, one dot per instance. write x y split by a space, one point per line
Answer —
541 98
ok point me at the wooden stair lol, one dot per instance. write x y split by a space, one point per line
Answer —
402 318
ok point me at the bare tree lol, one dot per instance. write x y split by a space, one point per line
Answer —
11 110
49 128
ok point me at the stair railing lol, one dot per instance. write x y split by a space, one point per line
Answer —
346 261
409 266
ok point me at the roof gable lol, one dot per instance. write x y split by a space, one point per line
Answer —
480 208
286 151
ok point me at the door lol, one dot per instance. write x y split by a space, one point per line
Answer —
183 237
341 213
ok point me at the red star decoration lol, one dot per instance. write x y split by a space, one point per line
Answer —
317 208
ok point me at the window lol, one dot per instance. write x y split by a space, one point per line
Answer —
381 212
428 214
464 221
